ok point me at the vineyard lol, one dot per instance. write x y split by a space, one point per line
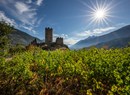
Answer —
71 72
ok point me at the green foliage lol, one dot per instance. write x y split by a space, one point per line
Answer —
16 49
5 29
83 72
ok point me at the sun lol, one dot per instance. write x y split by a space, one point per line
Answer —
100 14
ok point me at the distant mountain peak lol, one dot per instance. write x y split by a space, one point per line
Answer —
123 32
90 37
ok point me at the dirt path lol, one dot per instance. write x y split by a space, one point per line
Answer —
8 59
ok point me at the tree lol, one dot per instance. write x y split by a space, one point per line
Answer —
5 29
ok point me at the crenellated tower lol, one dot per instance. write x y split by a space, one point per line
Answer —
48 35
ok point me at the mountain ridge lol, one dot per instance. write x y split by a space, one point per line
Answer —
116 43
123 32
20 37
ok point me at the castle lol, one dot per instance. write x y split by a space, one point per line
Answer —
49 44
49 37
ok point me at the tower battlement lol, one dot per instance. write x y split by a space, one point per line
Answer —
48 29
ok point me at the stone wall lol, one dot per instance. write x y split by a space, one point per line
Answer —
59 41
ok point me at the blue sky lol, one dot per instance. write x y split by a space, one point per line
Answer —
70 19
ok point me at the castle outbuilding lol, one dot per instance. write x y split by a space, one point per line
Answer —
59 41
49 44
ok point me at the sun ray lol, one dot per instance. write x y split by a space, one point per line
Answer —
95 7
100 12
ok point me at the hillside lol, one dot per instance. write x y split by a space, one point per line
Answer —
116 43
20 37
120 33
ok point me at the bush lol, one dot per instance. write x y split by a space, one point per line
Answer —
92 72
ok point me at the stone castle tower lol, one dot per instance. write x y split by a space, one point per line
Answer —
48 35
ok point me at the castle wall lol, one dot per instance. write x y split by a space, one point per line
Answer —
48 35
59 41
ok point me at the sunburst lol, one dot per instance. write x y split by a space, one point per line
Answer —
100 12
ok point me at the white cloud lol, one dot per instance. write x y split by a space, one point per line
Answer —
22 7
95 32
84 34
65 36
70 41
56 35
39 2
34 31
27 15
101 30
29 28
67 40
25 12
6 19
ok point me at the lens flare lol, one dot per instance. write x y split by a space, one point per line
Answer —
100 12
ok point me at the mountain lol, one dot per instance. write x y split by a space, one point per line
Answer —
20 37
116 43
119 34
